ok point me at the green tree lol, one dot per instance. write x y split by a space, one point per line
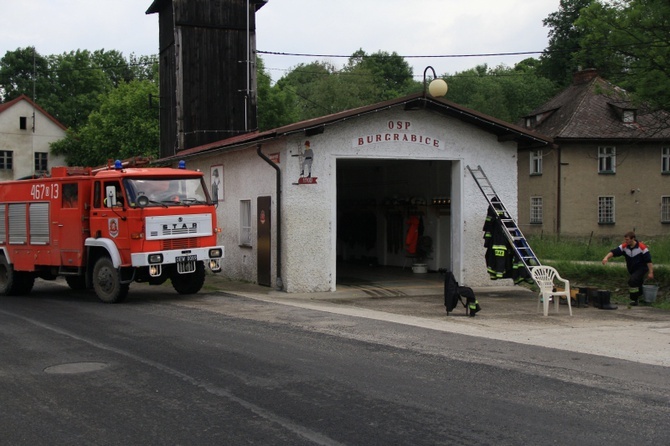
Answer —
77 81
123 126
68 85
113 65
391 75
628 41
144 67
312 85
558 59
503 92
320 89
23 71
276 106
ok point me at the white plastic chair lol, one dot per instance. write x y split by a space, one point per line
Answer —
545 276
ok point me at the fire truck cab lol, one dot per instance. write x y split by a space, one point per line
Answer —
106 228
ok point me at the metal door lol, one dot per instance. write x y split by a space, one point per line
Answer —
264 241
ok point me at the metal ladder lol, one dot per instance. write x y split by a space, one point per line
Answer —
516 238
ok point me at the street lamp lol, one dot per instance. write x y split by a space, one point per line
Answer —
437 87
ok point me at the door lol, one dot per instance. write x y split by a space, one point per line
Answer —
71 226
264 241
108 215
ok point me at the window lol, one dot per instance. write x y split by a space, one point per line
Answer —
535 210
23 123
532 121
628 116
605 210
97 195
245 222
113 196
70 195
606 159
160 191
536 162
665 209
41 162
665 160
6 160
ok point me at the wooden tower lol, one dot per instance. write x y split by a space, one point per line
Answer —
207 51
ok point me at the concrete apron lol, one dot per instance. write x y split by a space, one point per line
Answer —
509 313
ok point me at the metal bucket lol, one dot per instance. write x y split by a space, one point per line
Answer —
649 292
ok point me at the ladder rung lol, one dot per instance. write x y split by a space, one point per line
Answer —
513 233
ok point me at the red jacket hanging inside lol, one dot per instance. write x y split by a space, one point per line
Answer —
412 234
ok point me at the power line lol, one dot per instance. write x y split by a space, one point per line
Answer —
516 53
662 42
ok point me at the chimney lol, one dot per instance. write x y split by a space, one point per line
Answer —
584 76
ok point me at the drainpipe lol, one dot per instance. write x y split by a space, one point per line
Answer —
280 285
558 193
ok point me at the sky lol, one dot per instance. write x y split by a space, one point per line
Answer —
324 29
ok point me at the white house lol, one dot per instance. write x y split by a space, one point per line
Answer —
26 131
372 168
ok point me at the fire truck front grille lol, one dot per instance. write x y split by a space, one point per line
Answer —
179 243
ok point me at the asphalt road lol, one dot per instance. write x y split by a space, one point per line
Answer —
222 369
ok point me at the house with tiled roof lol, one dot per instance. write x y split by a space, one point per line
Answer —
26 132
607 171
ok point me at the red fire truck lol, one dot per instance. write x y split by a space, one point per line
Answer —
105 228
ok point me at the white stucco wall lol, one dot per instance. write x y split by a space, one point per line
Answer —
245 176
309 211
25 143
458 141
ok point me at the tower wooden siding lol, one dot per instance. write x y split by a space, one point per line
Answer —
167 85
203 72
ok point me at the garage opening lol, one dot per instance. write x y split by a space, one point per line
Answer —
380 201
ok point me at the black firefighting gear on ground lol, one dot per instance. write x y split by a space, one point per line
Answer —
453 293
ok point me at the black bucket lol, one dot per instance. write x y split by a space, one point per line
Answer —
585 291
581 300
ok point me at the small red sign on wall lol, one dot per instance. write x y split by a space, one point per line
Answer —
307 180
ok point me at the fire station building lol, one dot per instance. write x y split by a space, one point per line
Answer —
297 202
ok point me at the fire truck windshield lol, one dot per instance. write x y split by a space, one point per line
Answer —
166 191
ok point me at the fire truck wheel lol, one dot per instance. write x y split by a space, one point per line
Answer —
23 283
107 283
12 283
6 277
190 283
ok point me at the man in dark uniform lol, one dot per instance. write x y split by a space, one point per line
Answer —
638 262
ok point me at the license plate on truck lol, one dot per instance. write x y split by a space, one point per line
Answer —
186 264
182 259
